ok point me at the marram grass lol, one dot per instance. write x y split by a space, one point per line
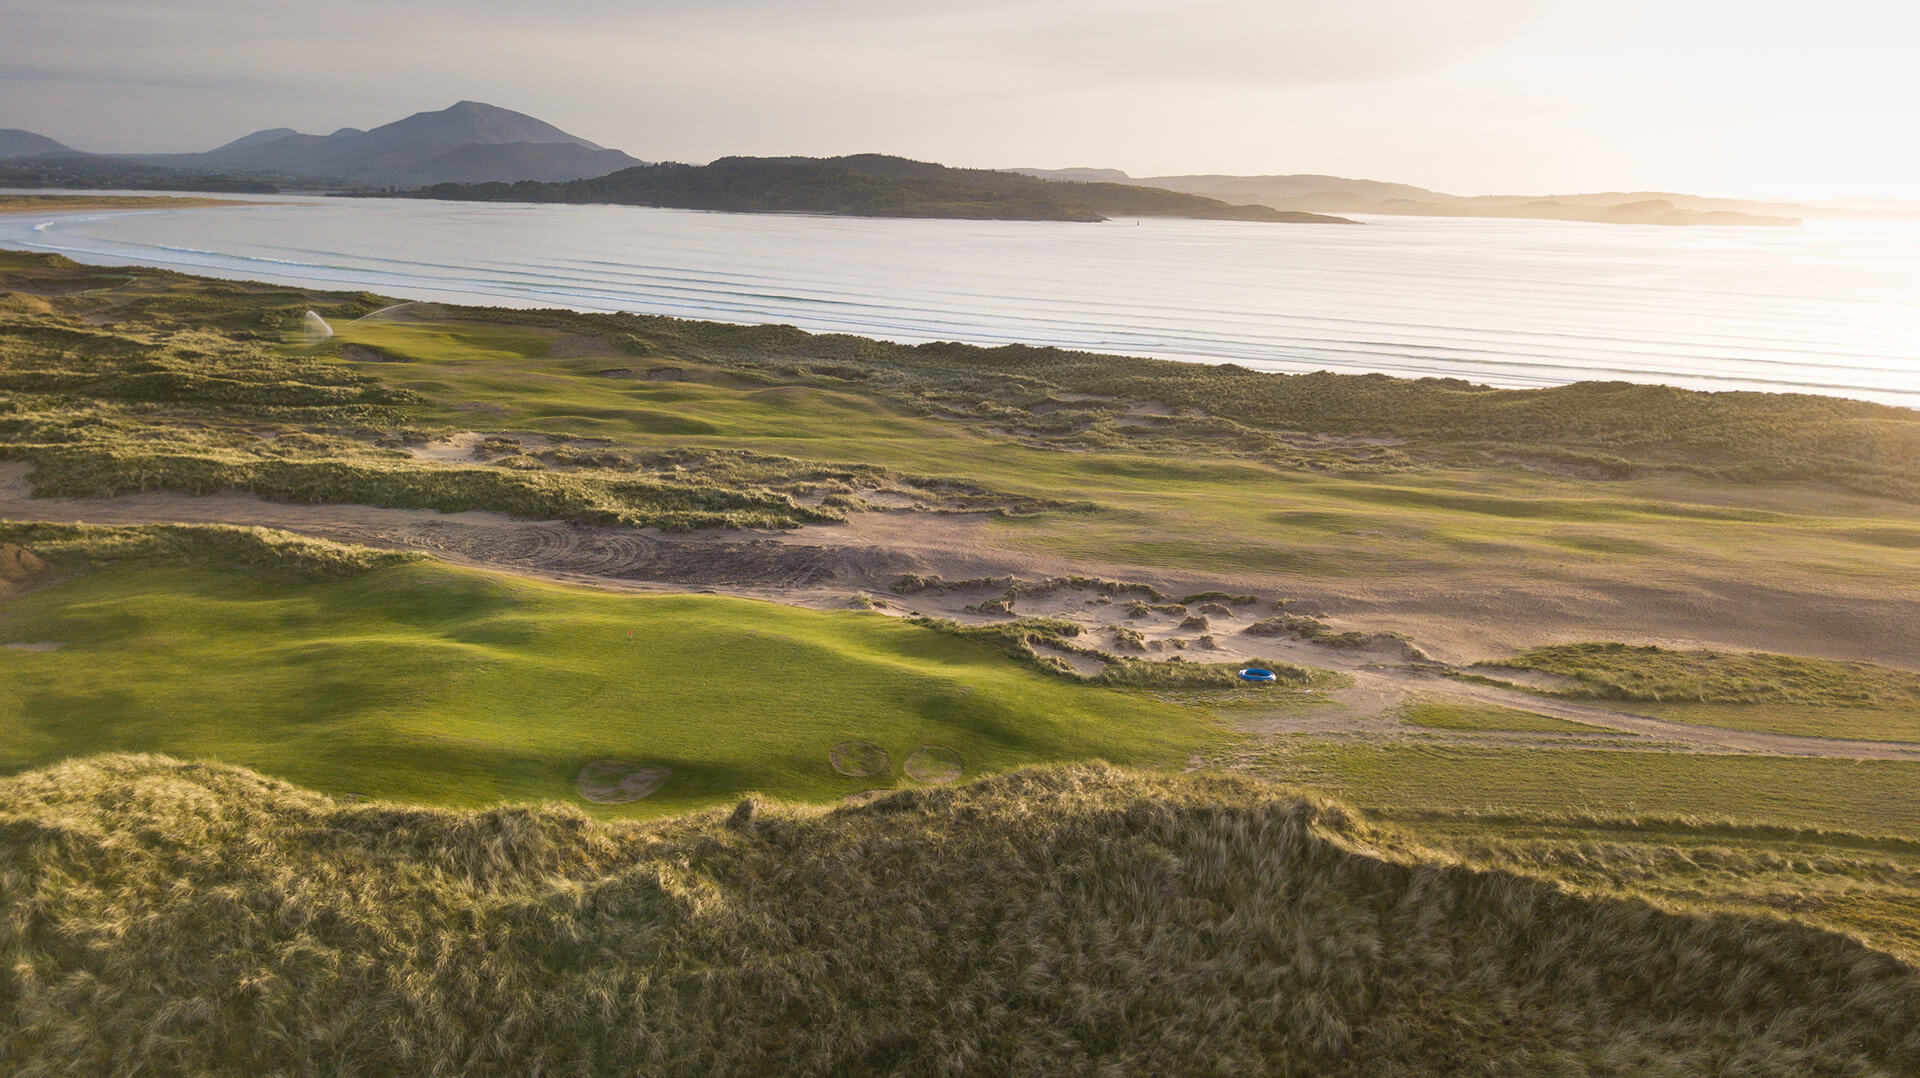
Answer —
170 918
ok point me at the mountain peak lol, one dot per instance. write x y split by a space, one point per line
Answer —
468 122
17 143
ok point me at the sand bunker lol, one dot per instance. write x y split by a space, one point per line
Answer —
933 763
858 759
615 782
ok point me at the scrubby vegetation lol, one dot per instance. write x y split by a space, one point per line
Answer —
1859 796
1628 672
85 472
202 546
186 918
191 391
1600 430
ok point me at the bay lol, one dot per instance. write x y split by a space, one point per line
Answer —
1830 308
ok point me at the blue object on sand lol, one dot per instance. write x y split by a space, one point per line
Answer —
1258 673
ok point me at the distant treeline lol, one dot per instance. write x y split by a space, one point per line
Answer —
866 185
107 173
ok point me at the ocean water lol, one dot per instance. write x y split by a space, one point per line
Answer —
1826 308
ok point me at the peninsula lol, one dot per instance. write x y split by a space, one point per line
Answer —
870 185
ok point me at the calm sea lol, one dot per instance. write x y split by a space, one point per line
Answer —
1826 308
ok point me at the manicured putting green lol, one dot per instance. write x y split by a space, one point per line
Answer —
447 686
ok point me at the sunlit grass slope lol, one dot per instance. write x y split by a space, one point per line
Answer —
438 685
173 918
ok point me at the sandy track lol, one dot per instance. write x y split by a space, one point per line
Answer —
824 566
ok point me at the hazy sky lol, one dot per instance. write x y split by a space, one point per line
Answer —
1755 97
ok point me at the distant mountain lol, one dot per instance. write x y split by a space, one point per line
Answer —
1336 194
470 142
258 138
1256 188
868 185
17 143
1076 175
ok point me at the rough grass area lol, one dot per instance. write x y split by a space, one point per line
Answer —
205 546
443 686
149 381
1598 429
1442 713
172 382
1627 672
1870 796
1072 920
1868 887
539 495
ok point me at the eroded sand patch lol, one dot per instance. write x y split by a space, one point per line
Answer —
934 764
616 782
858 759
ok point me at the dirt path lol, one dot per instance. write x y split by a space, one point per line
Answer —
837 567
1370 709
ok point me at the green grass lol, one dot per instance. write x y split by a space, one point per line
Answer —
1873 796
436 685
173 918
1441 713
1897 723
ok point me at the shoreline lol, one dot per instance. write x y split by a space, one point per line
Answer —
702 266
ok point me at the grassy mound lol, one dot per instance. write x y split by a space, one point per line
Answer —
446 686
1629 672
19 569
219 546
185 918
1776 694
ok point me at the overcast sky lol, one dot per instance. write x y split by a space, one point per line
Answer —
1756 98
